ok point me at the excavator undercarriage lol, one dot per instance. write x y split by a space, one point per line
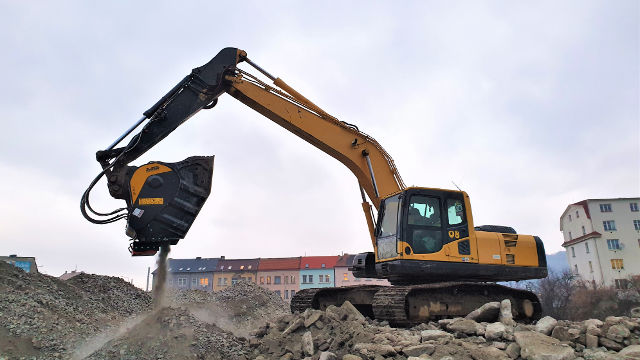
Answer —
405 306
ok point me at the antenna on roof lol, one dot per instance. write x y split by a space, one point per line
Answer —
456 185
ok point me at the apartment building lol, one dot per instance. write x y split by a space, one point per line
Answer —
344 277
230 271
280 275
602 239
317 271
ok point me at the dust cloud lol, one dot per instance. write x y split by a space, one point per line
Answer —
159 290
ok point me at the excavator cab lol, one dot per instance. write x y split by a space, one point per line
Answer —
425 235
420 221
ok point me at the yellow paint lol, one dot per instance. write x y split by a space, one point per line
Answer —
141 175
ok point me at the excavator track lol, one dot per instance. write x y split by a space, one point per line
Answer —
404 306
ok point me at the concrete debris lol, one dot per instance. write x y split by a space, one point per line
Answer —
546 325
99 318
486 313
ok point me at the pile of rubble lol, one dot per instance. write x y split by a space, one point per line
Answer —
487 333
100 317
173 333
44 317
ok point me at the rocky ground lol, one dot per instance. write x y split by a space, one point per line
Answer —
99 317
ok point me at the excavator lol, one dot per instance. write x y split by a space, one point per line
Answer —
424 239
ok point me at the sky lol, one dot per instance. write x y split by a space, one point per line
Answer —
528 106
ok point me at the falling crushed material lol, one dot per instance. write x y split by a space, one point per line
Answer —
159 296
100 317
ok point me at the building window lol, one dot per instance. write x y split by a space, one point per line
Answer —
204 281
617 264
613 244
590 267
605 207
268 279
586 246
286 279
194 282
346 275
569 217
320 279
171 280
327 278
310 279
182 281
621 283
304 279
234 281
609 225
584 232
293 279
636 224
573 252
278 292
286 294
575 268
570 236
276 279
306 266
323 266
577 214
293 292
261 280
633 206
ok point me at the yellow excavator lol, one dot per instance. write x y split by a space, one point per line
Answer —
424 240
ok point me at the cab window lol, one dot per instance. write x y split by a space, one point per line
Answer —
455 211
424 225
389 221
424 211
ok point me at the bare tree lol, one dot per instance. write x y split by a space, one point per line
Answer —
555 293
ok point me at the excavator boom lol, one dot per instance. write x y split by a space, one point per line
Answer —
150 226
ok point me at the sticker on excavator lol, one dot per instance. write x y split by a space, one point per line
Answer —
151 201
138 212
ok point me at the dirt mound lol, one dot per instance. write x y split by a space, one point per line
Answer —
44 317
239 309
173 333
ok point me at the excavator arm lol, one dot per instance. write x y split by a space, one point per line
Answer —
163 199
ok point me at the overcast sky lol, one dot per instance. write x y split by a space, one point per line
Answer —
528 106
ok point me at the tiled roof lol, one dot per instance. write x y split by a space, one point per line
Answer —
279 263
191 265
345 260
238 265
583 237
316 262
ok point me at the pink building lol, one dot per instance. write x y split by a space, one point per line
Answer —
280 275
344 277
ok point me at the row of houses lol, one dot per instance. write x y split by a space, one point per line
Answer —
284 276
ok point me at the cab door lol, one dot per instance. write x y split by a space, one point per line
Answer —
387 229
